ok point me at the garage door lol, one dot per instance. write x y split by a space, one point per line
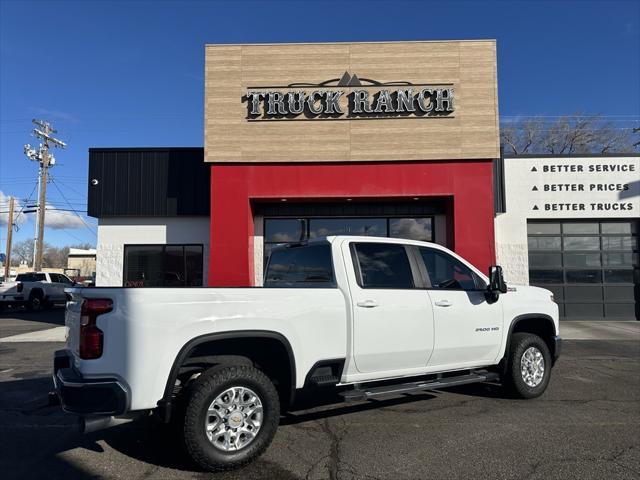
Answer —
590 266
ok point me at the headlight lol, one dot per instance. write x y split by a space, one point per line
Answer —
551 297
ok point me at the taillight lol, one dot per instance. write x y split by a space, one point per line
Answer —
20 287
90 334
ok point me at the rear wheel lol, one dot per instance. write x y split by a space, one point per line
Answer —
35 302
231 416
529 367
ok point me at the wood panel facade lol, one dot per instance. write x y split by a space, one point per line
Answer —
467 67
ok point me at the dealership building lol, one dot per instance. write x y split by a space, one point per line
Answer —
395 139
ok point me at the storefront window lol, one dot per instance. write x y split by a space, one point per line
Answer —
278 231
580 260
581 243
322 227
580 227
544 243
411 228
283 230
163 266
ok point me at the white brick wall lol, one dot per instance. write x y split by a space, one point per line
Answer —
116 232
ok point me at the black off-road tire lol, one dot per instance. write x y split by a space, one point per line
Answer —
203 391
513 380
35 302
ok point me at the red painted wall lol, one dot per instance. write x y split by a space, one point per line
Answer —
234 186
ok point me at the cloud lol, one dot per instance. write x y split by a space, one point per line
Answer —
18 219
55 114
60 220
631 29
56 219
413 228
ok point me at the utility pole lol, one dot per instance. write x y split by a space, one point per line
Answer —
45 160
7 262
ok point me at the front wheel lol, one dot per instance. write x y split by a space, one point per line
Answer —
231 416
529 366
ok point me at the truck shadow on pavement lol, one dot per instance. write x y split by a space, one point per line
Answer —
38 440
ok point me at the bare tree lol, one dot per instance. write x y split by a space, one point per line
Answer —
52 257
22 252
55 257
567 135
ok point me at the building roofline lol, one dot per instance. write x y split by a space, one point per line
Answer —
488 40
141 149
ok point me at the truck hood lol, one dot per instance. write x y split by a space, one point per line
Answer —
529 290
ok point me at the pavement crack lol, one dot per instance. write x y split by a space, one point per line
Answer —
335 449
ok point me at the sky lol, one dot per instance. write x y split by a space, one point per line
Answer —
130 73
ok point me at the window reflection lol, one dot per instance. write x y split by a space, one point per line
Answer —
411 228
300 267
384 266
322 227
278 231
283 230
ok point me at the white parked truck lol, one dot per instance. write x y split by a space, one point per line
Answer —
359 316
35 290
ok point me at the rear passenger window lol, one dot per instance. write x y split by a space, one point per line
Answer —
383 265
300 267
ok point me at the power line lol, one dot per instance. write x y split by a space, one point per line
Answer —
73 236
28 200
69 187
55 184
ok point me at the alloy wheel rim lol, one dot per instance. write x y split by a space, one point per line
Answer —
234 419
532 367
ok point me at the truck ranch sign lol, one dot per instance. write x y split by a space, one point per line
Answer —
356 102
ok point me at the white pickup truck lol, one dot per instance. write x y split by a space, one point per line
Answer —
35 290
362 316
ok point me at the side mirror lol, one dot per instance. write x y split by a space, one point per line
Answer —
496 280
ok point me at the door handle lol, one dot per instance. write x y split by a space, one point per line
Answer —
443 303
368 304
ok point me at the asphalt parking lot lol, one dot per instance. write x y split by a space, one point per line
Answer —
586 426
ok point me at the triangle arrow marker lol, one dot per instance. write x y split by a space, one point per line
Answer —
534 169
354 80
534 189
344 81
535 207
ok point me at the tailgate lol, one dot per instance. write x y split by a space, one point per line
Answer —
8 290
72 320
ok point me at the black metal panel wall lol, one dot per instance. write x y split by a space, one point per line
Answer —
499 198
154 182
